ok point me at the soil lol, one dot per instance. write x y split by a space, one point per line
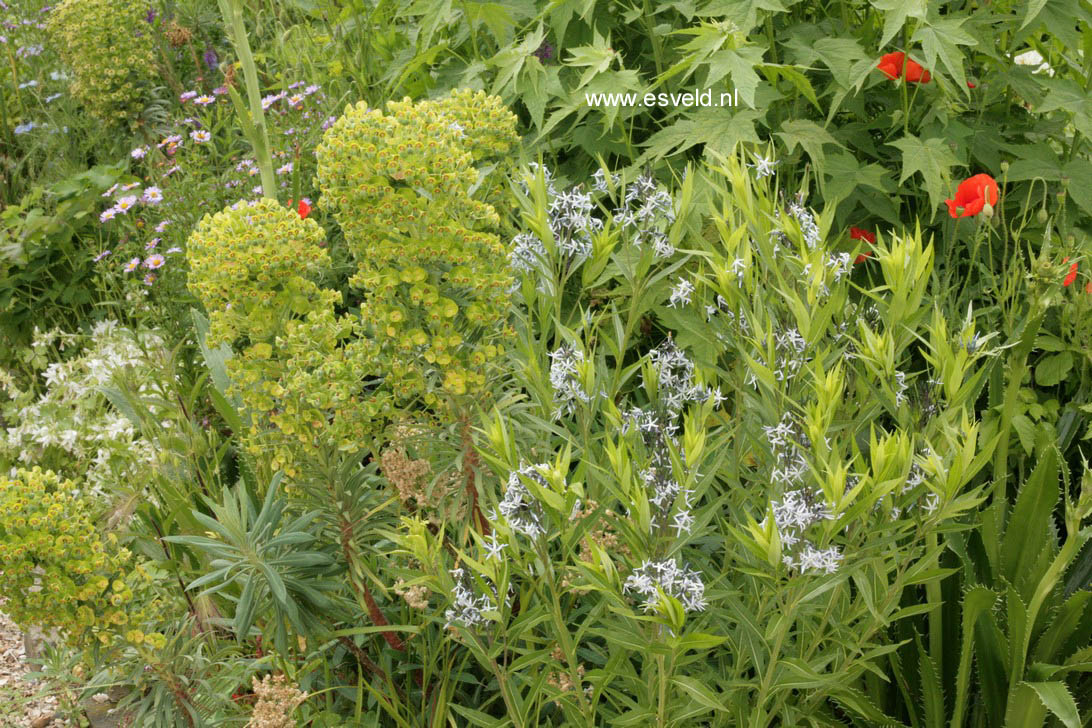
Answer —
24 703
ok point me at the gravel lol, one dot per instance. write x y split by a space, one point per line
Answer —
23 703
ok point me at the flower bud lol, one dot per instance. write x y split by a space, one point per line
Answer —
987 211
1042 216
1004 167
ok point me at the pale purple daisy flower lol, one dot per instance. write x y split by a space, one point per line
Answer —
101 255
187 96
108 214
126 203
205 100
138 153
162 226
132 265
155 261
152 196
200 136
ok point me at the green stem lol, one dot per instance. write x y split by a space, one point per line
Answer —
232 11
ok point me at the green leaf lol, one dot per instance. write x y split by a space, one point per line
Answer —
699 691
1052 369
933 158
977 601
713 127
795 76
1034 8
1030 523
1079 189
941 37
844 173
1057 699
810 136
895 13
739 65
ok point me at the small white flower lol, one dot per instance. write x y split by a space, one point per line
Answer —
680 294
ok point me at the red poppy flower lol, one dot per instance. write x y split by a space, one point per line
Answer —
304 208
892 64
1072 275
972 195
971 84
856 233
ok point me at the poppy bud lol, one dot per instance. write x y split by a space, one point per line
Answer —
1004 167
987 211
1042 216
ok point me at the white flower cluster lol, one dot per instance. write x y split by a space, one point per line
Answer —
646 205
807 224
789 348
680 294
652 578
528 254
467 609
799 507
520 509
675 381
566 379
72 423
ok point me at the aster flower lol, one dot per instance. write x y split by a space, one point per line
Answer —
311 89
286 169
173 250
295 100
130 186
124 204
210 58
150 245
139 153
152 196
154 261
200 136
187 96
108 214
162 226
205 100
149 279
100 256
132 265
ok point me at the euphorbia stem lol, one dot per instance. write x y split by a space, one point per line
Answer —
232 11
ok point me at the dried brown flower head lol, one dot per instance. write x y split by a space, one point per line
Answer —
178 35
276 702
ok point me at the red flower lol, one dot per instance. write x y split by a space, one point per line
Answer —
971 84
972 195
304 208
1072 275
892 64
856 233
